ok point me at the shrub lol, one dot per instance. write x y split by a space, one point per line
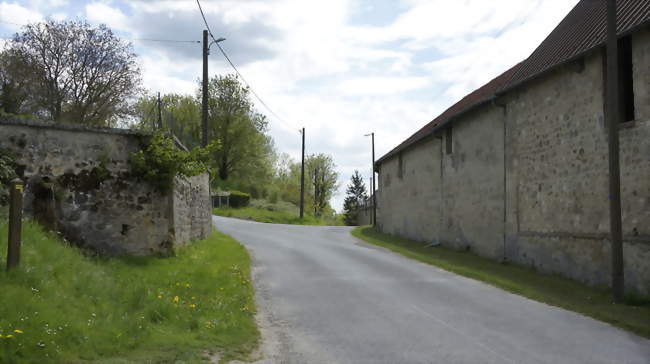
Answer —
160 161
239 199
7 173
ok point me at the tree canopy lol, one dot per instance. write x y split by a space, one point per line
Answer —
69 71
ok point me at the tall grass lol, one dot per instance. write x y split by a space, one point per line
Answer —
61 306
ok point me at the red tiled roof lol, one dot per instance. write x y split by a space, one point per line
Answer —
581 31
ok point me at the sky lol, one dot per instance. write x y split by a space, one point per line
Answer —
339 68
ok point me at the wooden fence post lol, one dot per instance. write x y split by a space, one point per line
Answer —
15 223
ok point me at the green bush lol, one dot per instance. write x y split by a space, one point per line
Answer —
239 199
161 160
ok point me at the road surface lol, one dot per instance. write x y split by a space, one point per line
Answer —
326 297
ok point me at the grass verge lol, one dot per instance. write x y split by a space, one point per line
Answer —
272 217
61 306
550 289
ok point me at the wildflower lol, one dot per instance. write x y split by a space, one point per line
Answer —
18 331
193 305
176 299
1 336
9 336
159 296
187 285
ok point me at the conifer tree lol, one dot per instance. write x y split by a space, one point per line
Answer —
355 195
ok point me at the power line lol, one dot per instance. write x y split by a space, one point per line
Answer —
166 40
223 52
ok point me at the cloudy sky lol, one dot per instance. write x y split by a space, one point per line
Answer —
339 68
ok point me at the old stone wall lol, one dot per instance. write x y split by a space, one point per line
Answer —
364 216
472 184
83 175
192 212
408 201
527 179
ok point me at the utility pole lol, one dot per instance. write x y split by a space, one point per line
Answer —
204 89
160 125
612 112
302 177
372 181
374 198
15 223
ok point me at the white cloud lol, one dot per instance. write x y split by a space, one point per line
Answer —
14 13
102 13
382 85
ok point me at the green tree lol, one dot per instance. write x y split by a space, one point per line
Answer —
14 84
181 115
321 172
355 195
245 158
76 72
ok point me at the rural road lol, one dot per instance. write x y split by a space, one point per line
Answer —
325 297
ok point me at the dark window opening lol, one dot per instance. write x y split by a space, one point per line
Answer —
400 166
626 80
626 85
448 141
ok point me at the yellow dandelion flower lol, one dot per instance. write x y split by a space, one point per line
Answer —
1 336
18 331
159 296
176 299
187 285
193 306
9 336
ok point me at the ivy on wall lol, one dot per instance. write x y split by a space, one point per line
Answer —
7 173
161 160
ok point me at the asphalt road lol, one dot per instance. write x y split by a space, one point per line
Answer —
326 297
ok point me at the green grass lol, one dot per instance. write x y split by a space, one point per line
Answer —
275 213
550 289
75 309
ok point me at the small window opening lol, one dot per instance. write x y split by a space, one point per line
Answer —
626 86
449 143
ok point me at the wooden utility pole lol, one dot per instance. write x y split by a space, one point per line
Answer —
302 177
374 198
204 89
612 112
160 125
15 223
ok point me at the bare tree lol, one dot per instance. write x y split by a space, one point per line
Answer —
80 73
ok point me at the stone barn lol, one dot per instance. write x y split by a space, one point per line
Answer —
518 169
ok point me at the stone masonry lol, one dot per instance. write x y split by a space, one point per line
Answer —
83 175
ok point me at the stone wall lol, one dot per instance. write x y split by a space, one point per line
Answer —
364 214
527 180
192 211
80 177
408 202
